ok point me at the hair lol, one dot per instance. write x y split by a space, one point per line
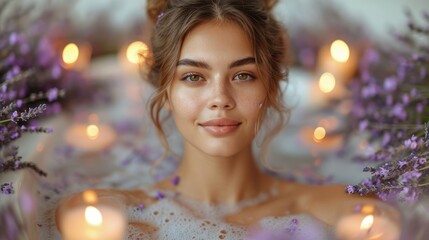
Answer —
174 19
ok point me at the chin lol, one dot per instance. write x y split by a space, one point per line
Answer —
222 150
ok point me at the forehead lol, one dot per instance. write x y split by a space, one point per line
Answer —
221 39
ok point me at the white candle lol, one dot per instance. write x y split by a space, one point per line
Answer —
369 227
93 222
90 137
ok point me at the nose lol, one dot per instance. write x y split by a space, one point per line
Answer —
221 97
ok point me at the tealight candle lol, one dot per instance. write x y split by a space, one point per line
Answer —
318 140
90 137
93 222
367 224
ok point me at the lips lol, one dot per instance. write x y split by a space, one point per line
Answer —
220 127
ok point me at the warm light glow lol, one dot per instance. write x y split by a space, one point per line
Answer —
70 53
319 134
340 51
93 118
92 131
93 216
136 49
367 222
327 82
89 196
368 209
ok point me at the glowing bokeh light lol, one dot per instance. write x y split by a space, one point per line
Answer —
327 82
135 50
70 53
319 134
93 216
92 131
340 51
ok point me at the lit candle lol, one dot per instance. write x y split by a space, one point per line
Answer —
367 224
90 137
93 222
338 59
319 134
327 82
317 137
76 56
325 88
134 56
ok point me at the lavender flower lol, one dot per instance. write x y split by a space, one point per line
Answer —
25 85
393 109
7 188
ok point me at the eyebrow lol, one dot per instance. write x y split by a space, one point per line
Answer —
202 64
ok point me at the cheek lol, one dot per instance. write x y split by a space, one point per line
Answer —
185 103
250 103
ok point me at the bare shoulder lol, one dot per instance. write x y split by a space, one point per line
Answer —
327 202
324 202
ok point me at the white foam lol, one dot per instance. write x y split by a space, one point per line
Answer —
177 217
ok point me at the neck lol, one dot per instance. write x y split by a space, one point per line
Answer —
220 179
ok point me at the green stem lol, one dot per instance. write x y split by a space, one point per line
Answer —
424 168
5 121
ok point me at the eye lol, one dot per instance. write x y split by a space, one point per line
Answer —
243 77
192 77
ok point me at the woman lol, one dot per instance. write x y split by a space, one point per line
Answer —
217 67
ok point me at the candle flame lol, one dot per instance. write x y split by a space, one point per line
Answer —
327 82
93 216
367 222
135 50
368 209
92 131
319 134
89 196
70 53
340 51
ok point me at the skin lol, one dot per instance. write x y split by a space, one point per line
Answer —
222 169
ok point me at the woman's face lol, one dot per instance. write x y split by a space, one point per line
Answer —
216 95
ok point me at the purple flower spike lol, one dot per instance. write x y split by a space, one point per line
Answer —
175 181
